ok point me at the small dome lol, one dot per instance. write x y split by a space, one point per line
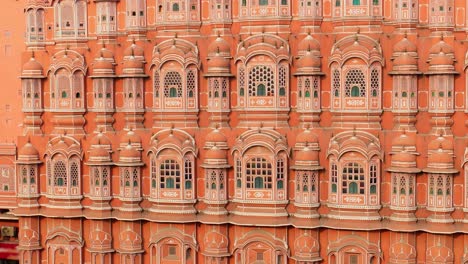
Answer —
215 153
133 63
308 43
405 45
441 46
440 157
219 46
405 59
129 154
218 63
307 155
32 65
99 154
106 54
28 152
134 51
404 157
306 136
440 143
99 140
309 61
103 64
441 59
216 136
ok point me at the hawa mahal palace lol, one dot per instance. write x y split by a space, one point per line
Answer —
240 132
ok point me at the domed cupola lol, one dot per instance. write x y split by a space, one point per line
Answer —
306 152
129 155
441 59
130 138
100 151
216 150
215 164
32 69
133 67
219 58
404 154
28 154
218 76
103 65
440 156
134 51
405 57
309 58
219 46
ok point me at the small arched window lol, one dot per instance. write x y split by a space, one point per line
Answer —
263 2
261 90
355 91
175 7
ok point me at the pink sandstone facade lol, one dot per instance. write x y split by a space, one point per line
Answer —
241 132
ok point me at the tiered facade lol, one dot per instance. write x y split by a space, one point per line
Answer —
244 132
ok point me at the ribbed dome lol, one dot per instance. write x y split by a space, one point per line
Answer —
216 136
219 46
309 61
441 59
441 46
404 157
216 153
129 154
28 152
308 43
405 45
99 154
440 157
100 139
103 64
405 59
32 65
134 51
440 143
307 155
133 63
218 63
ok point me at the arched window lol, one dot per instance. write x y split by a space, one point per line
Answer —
355 84
70 18
60 174
263 2
259 173
353 178
175 7
356 2
170 174
173 84
261 90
